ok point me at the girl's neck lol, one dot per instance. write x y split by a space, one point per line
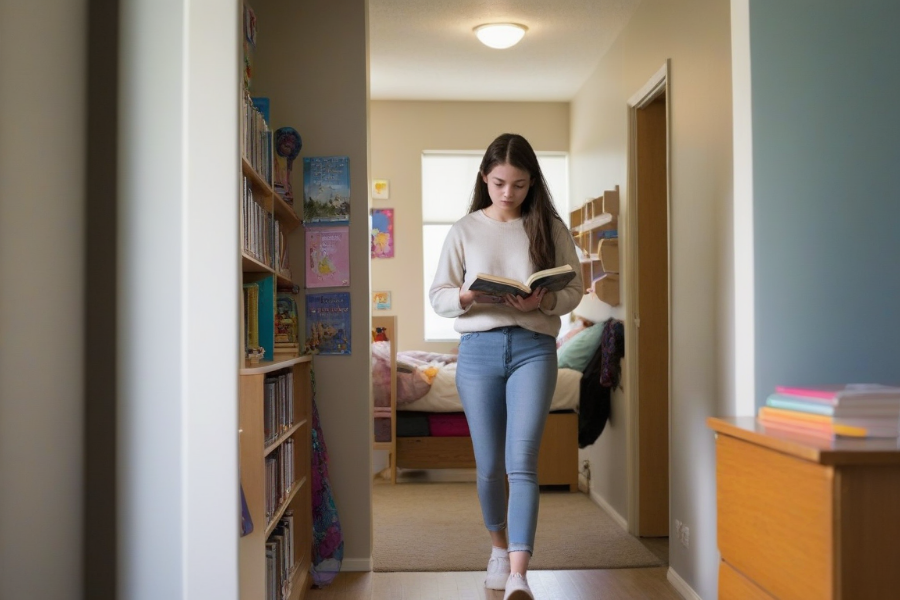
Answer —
495 214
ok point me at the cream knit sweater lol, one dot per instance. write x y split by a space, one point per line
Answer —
478 244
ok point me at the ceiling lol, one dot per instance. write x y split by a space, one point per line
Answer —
426 49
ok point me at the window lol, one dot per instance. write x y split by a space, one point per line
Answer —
448 180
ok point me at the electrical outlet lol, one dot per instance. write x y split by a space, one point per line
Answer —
682 533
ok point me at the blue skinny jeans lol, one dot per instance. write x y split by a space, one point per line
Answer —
506 378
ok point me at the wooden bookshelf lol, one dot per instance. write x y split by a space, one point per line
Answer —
589 224
253 454
275 421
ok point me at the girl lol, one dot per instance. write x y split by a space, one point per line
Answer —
506 371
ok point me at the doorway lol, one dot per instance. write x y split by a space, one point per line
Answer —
648 309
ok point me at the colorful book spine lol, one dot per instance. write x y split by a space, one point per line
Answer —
835 394
822 423
881 409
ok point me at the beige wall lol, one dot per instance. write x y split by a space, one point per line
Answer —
312 62
401 131
695 36
42 246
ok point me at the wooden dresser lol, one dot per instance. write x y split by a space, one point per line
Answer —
802 518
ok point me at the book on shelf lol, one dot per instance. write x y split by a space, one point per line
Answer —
551 280
286 319
853 393
251 315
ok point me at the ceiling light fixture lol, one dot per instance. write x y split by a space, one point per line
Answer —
500 35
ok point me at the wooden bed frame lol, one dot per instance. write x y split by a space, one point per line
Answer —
557 460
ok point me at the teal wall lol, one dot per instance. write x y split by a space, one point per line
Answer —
826 152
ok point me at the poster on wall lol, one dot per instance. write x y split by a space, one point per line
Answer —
328 323
383 233
327 257
326 190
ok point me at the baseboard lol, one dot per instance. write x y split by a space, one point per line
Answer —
356 564
681 585
602 503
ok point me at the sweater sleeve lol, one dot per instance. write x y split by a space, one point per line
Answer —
565 300
449 277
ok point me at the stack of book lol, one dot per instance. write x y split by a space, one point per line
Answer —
854 410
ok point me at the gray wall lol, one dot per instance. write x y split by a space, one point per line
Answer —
826 178
42 206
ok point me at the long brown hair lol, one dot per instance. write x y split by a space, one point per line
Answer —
538 211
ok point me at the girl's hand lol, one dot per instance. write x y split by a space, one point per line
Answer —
527 304
467 297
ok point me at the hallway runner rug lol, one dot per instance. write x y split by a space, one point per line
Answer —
438 527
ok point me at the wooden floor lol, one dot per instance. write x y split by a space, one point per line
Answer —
608 584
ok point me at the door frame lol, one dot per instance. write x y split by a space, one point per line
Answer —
656 86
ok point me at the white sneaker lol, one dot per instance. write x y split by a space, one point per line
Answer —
497 573
517 588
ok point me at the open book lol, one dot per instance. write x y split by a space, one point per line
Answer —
551 280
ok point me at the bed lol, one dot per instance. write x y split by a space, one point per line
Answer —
418 386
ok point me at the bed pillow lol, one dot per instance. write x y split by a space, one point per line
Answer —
576 353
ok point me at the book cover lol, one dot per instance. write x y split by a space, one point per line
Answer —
383 233
246 520
267 316
262 105
328 323
286 321
327 257
251 315
326 189
551 280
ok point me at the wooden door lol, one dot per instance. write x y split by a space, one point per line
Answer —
653 314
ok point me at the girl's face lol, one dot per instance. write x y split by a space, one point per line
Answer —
507 186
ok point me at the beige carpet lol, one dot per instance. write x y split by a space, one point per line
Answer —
438 527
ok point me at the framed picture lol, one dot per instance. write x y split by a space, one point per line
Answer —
381 300
383 233
381 189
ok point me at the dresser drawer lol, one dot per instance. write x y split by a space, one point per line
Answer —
775 519
734 586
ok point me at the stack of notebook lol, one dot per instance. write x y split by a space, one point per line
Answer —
854 410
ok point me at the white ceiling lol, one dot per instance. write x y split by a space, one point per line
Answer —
426 49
